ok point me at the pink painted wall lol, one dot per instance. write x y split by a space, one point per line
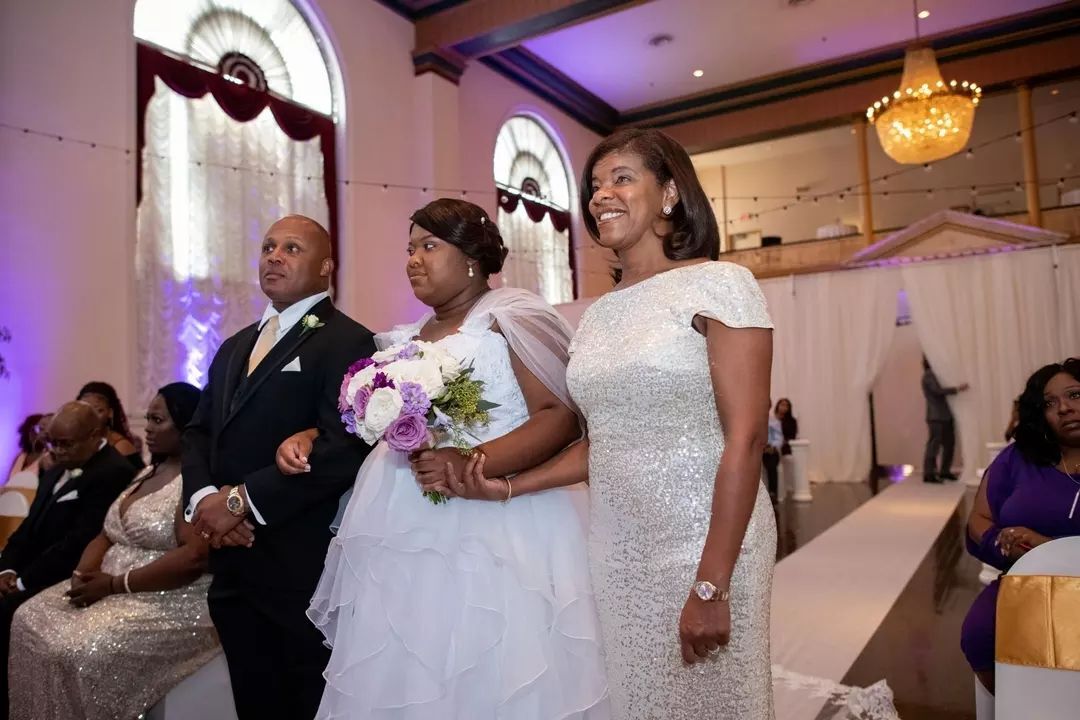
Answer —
67 286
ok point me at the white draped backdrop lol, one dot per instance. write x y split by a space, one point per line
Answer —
832 333
200 227
989 321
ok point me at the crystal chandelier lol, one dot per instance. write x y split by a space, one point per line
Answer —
926 119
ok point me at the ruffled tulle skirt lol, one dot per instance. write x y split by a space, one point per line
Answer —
469 610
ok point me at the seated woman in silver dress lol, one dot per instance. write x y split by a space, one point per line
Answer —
133 621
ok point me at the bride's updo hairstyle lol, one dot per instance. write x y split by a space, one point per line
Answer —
468 228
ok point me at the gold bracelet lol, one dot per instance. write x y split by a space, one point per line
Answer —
509 490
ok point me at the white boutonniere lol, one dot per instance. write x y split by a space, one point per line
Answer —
77 472
310 322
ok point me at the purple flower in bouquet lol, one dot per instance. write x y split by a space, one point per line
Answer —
359 365
416 401
407 433
409 352
349 418
382 380
343 394
360 401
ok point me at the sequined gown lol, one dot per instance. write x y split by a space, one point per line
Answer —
122 654
639 372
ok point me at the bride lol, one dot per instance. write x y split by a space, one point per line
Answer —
472 609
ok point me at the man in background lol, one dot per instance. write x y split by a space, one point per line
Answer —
939 420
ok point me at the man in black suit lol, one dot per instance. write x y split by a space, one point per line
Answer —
67 513
270 532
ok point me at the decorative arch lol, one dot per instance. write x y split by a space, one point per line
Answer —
236 127
534 192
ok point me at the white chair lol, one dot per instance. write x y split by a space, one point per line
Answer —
1024 692
984 702
14 508
25 479
207 693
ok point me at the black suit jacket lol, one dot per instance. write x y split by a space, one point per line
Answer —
46 547
233 438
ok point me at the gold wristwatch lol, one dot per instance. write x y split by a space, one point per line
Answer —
707 592
234 503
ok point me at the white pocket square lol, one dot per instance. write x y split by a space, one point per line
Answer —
294 366
73 495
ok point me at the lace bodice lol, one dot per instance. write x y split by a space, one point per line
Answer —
487 351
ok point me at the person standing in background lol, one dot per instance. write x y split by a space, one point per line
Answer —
939 421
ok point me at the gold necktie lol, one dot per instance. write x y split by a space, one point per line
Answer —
266 341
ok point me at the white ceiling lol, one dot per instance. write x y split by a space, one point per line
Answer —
737 40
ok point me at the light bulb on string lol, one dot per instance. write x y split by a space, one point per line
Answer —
1072 118
1061 183
927 167
969 154
1019 137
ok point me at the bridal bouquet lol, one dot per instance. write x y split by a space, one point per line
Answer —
411 396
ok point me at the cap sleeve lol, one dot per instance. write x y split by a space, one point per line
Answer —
727 293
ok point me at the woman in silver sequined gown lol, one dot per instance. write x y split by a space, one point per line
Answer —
89 649
671 371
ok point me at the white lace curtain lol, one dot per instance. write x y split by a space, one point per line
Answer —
200 225
539 259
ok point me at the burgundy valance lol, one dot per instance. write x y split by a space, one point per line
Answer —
239 102
509 201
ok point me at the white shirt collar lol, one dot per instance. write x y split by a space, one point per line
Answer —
292 314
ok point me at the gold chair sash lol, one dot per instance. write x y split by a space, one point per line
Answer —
1038 621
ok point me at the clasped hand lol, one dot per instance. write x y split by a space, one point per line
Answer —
89 587
452 474
1015 541
213 521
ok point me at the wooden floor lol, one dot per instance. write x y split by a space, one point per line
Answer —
917 646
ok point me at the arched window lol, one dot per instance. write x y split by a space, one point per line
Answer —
534 210
236 130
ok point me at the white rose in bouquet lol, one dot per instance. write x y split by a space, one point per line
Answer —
359 380
382 409
449 366
424 371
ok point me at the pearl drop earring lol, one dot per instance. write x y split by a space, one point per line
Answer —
667 209
471 273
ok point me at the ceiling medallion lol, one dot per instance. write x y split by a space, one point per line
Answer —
926 118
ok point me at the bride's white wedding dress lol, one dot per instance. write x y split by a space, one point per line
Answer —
469 610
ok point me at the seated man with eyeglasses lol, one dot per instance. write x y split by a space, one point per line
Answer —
72 499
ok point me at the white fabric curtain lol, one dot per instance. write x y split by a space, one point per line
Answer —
990 322
539 258
832 333
1068 291
200 223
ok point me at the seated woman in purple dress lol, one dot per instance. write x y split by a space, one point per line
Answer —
1029 495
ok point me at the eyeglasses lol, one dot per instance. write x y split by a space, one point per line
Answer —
63 446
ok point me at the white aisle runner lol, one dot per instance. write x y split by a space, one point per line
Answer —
830 596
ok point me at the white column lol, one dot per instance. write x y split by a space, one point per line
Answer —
800 479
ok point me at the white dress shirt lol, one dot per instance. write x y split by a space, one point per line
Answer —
287 318
59 484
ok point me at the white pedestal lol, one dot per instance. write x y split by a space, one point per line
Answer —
798 478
